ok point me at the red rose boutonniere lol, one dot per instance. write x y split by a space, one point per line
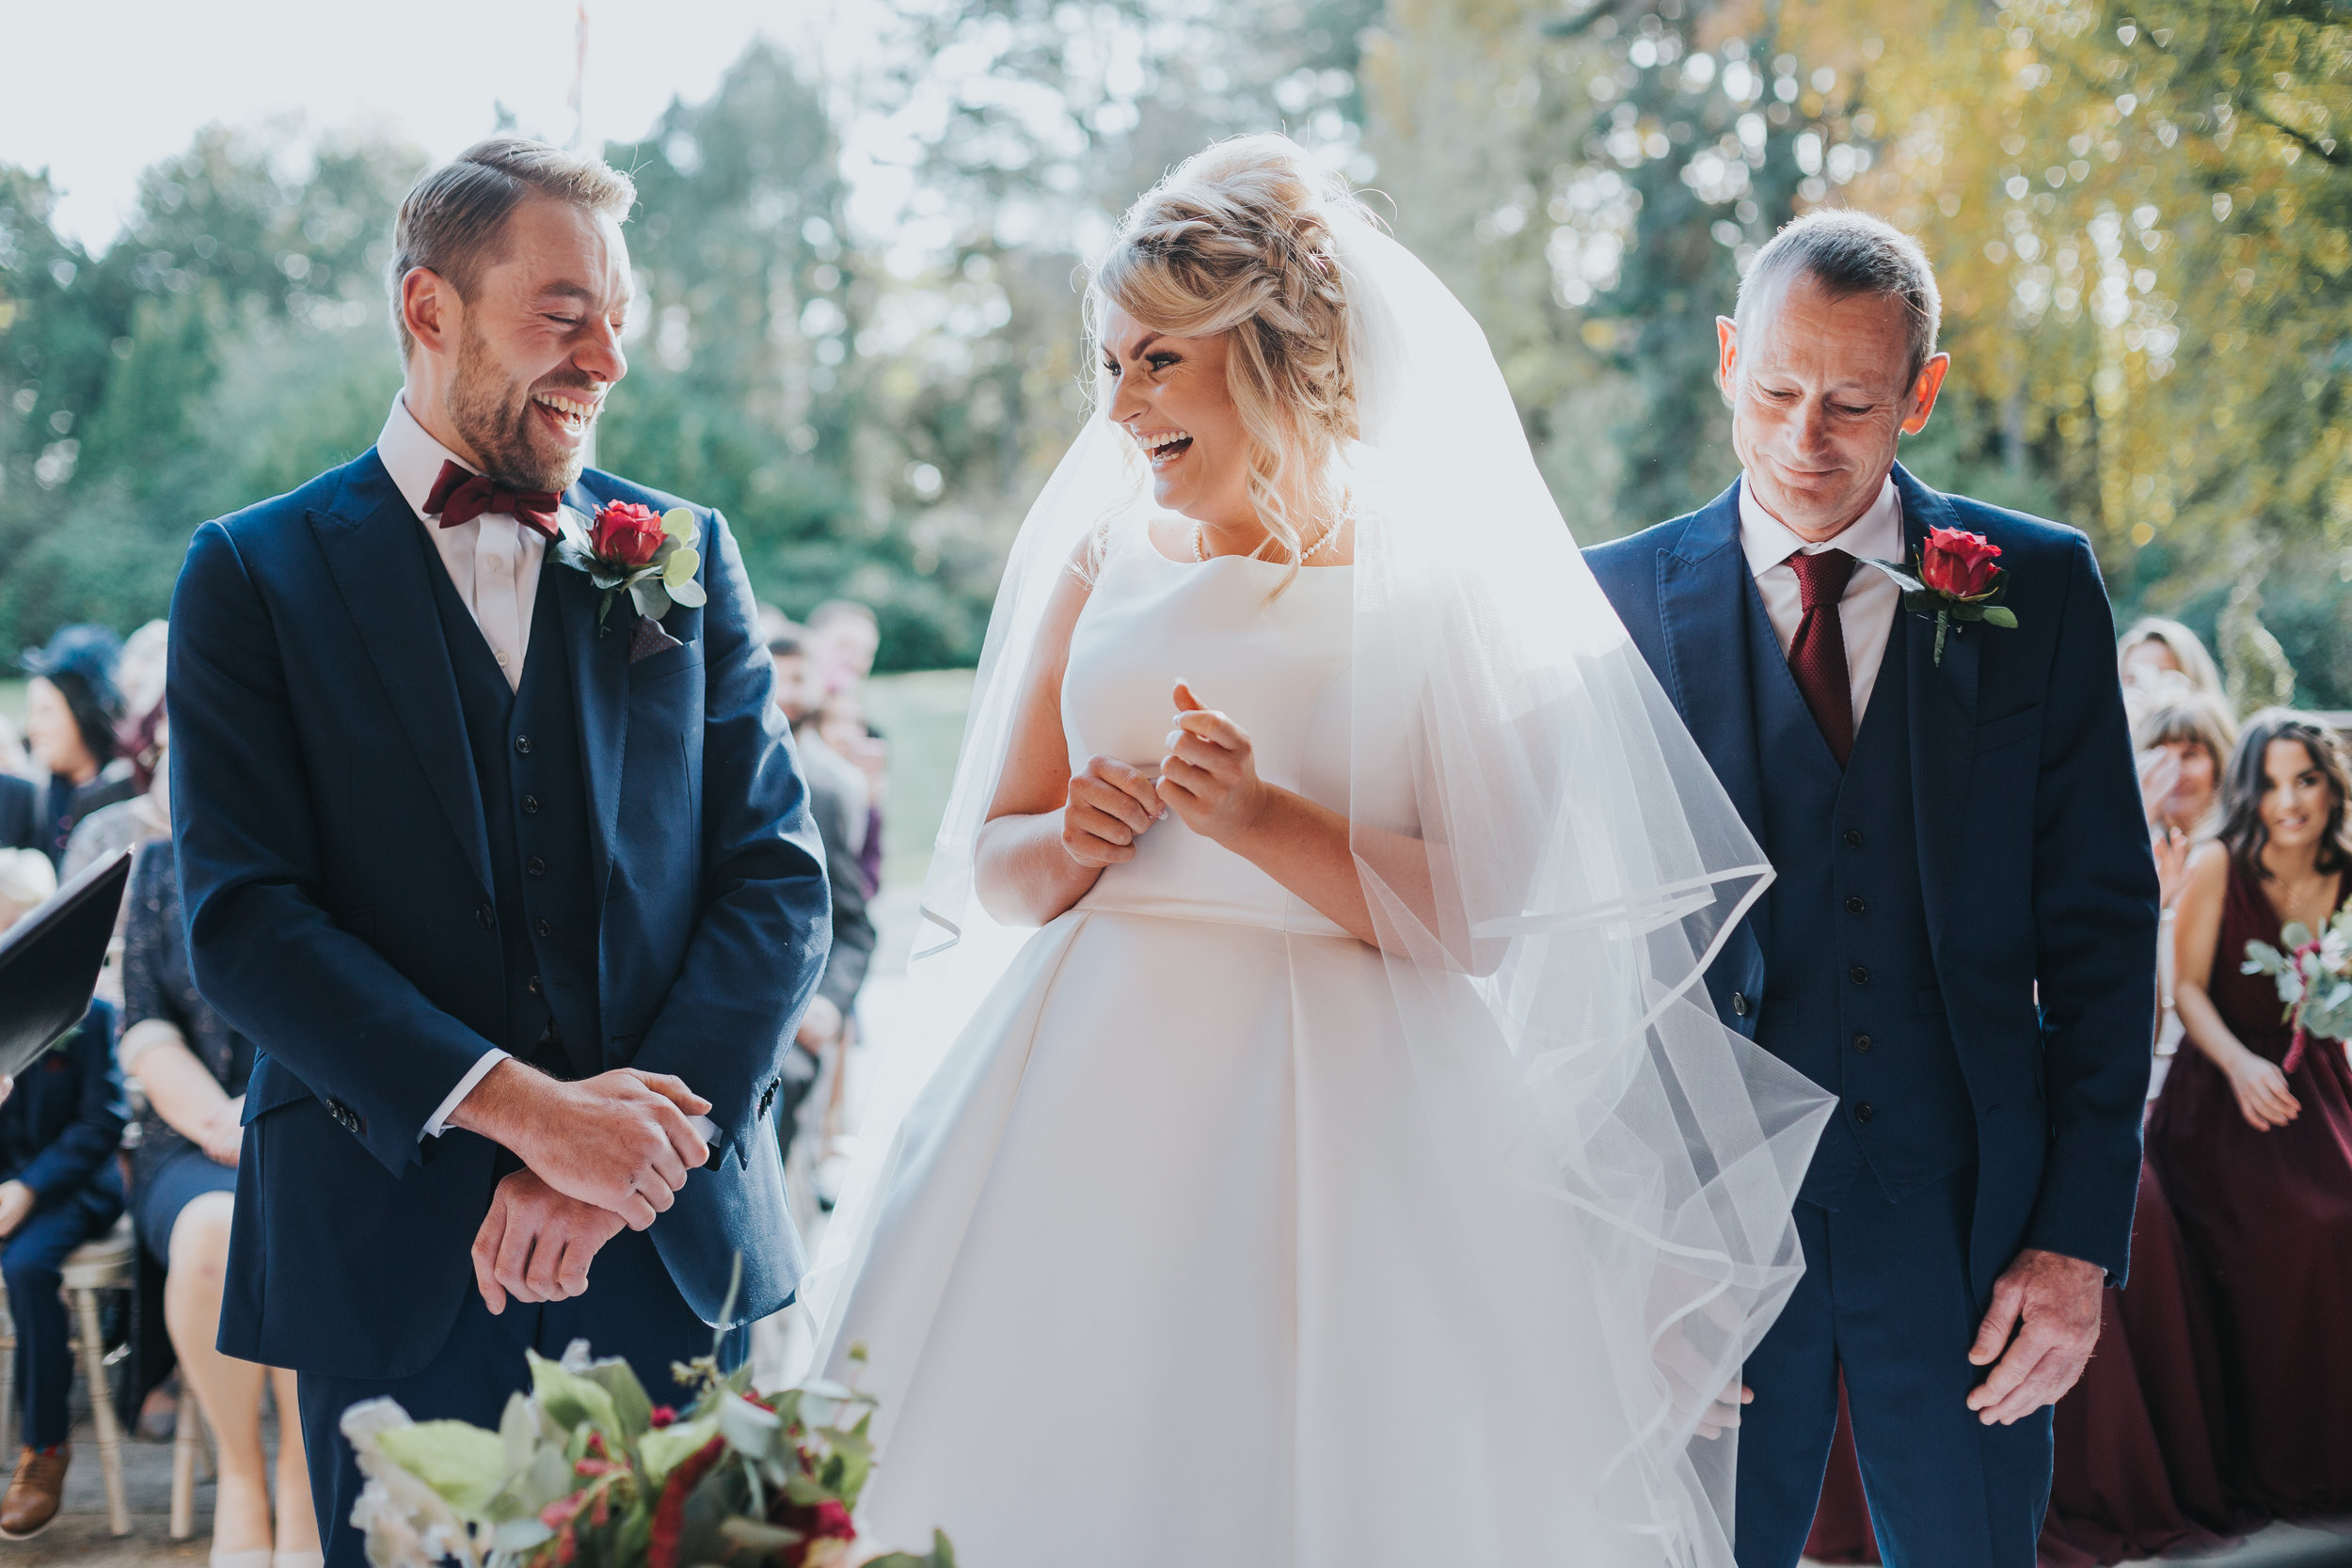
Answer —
631 547
1953 579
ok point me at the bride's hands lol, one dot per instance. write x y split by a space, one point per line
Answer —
1106 809
1208 778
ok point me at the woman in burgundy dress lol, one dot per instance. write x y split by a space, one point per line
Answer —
2255 1152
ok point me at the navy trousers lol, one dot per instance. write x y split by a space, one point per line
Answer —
1886 1297
631 1311
33 1263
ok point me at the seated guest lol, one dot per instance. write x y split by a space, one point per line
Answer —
837 801
193 1068
59 1187
71 707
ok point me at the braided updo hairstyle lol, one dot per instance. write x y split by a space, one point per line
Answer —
1238 239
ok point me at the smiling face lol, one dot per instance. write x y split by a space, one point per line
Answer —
1171 396
2297 797
513 379
1819 393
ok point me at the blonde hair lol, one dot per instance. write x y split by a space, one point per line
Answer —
2197 665
2187 716
1238 239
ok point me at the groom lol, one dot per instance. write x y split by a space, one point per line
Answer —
517 900
1961 943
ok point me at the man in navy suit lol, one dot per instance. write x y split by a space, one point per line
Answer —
516 896
1960 940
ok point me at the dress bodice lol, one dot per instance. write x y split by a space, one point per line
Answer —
1276 666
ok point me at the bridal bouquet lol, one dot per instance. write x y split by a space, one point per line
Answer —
2314 979
585 1472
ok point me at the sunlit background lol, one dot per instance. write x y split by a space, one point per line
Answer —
860 222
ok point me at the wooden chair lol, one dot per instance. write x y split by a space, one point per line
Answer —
108 1263
191 1446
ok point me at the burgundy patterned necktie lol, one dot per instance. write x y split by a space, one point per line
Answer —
1817 655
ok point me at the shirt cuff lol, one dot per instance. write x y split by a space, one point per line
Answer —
448 1108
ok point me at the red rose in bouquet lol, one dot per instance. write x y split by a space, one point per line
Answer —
627 534
1958 564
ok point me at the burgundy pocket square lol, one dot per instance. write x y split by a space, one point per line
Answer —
649 639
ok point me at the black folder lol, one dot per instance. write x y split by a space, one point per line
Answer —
50 959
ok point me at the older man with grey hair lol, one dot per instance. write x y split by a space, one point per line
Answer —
1912 697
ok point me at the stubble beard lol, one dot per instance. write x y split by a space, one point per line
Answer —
499 430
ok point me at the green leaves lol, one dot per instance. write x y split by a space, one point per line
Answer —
463 1464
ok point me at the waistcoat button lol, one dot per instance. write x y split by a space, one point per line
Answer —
1854 906
1740 1003
1863 1112
1860 975
1862 1042
484 916
530 805
1853 838
522 744
536 866
532 986
543 929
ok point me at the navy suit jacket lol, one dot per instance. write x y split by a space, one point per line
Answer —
332 855
2033 859
60 1127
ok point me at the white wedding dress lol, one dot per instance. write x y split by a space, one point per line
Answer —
1217 1236
1161 1273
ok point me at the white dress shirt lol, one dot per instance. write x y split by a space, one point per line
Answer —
1866 613
494 560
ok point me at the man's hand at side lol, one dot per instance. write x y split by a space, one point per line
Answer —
536 1243
2050 1301
619 1140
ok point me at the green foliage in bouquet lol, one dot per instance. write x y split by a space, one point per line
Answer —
585 1472
2314 979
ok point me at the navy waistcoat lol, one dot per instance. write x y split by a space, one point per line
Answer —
1849 992
534 805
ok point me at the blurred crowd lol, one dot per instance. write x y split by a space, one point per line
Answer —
137 1119
2219 1399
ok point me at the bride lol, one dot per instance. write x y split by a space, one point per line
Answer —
1347 1171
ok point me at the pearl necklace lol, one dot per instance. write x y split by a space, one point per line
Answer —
1201 554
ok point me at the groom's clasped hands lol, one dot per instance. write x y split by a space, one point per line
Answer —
598 1154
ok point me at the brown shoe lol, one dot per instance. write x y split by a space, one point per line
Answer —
31 1505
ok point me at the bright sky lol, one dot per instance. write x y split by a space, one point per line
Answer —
116 85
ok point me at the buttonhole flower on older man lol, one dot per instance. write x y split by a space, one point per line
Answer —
1952 581
631 547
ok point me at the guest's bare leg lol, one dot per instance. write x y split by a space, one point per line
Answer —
297 1519
229 1389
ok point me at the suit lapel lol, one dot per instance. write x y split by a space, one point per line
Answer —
599 664
1703 586
369 540
1943 716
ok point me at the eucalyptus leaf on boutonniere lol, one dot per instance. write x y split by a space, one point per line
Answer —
1952 579
631 547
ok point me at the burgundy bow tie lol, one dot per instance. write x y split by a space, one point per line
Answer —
459 497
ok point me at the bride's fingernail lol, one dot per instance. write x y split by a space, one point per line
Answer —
1175 738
